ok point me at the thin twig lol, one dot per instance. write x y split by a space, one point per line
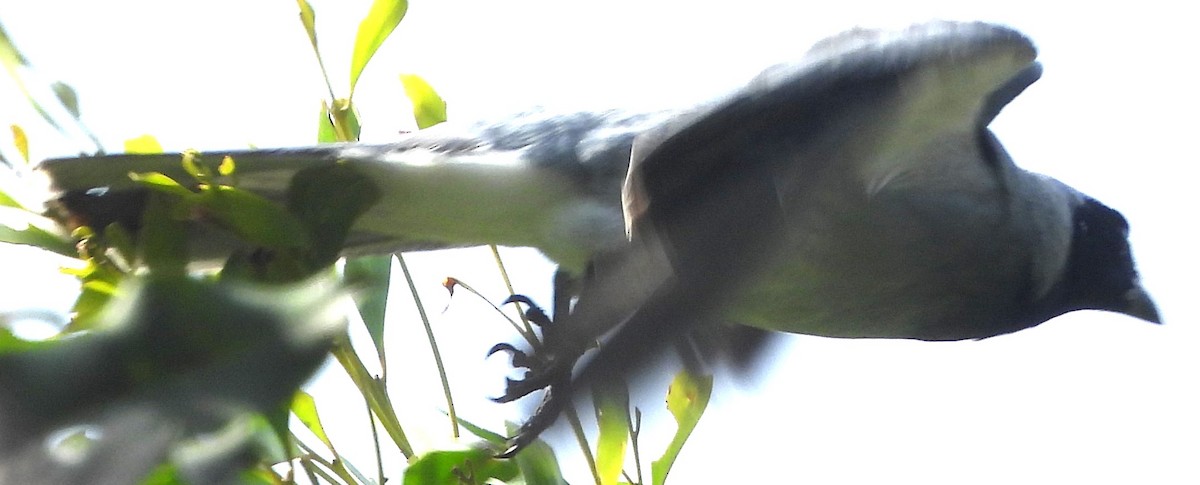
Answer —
437 354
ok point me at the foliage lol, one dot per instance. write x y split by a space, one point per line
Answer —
166 376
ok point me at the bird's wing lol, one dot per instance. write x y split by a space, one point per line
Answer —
886 94
709 196
544 180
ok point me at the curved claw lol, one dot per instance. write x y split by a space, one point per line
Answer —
516 358
518 299
535 313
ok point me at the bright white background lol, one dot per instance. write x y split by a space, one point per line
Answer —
1086 398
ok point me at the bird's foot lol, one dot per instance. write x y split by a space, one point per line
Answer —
547 369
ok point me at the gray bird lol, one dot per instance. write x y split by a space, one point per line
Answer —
857 193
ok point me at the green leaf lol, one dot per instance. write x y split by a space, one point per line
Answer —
428 108
162 183
612 417
370 277
163 242
169 357
253 218
305 409
28 233
309 18
375 393
537 462
345 121
193 166
13 61
458 466
66 95
7 201
325 131
20 141
10 57
491 436
227 166
686 399
327 200
379 23
143 144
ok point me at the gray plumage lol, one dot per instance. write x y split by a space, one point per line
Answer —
856 193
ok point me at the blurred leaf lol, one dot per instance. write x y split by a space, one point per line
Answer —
10 57
13 60
537 462
162 183
375 393
612 417
369 277
253 218
309 18
143 144
305 409
325 130
490 436
379 23
686 399
163 242
93 297
227 166
428 108
345 121
66 95
458 466
32 235
20 141
171 360
194 167
7 201
327 200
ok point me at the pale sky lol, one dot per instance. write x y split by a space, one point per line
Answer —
1085 398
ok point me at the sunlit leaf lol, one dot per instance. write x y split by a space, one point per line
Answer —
21 227
253 218
458 466
13 61
612 417
686 399
143 144
369 278
428 108
309 18
161 183
537 462
8 201
227 166
21 141
10 57
345 121
375 392
325 130
305 409
193 166
379 23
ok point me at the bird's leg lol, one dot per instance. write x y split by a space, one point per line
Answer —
547 369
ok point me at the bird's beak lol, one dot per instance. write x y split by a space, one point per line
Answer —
1139 305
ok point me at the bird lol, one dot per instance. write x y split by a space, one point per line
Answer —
855 193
